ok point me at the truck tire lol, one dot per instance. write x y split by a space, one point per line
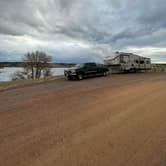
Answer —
80 76
105 73
69 78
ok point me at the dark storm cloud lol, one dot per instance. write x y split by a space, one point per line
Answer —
97 26
153 13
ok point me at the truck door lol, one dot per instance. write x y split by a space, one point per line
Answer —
90 69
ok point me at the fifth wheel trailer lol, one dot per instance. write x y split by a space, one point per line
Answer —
128 62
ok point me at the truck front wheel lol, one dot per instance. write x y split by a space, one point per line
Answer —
69 78
80 76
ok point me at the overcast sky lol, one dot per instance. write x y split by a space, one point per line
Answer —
82 30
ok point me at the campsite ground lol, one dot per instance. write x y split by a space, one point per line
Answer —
119 120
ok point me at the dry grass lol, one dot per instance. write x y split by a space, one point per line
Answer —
23 83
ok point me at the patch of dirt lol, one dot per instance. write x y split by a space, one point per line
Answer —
119 120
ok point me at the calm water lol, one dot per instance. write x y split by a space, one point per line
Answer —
7 72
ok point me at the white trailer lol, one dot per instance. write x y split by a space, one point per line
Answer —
128 62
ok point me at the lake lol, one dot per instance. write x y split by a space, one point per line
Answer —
7 72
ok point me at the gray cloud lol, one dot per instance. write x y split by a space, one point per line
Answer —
98 27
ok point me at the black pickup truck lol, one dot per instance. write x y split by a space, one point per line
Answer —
83 70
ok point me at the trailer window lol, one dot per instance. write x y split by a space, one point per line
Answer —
141 62
136 61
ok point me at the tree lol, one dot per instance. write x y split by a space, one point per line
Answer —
37 64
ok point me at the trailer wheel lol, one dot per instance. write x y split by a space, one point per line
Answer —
132 70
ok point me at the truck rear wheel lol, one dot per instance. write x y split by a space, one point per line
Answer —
105 73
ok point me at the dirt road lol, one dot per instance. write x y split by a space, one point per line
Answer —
119 120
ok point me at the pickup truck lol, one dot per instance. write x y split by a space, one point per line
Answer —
80 71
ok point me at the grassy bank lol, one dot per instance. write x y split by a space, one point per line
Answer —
22 83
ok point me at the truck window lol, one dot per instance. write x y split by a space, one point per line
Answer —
80 65
91 65
87 65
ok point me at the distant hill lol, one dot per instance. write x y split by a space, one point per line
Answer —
21 64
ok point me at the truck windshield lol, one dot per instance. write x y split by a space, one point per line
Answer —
79 65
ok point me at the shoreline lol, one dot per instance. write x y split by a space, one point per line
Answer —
22 64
